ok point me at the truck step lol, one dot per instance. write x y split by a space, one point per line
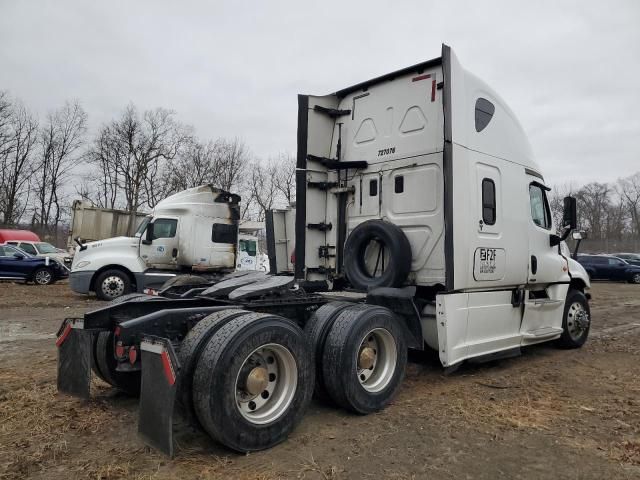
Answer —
545 302
543 332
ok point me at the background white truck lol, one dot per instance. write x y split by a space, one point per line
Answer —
193 231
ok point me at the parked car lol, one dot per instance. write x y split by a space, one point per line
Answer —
16 264
43 249
632 258
608 267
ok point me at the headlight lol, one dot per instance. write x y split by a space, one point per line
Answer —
82 264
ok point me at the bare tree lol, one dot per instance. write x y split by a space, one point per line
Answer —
60 141
629 191
195 165
232 158
594 199
285 176
133 153
17 140
263 189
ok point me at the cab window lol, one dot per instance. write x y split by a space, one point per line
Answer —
164 228
539 207
27 247
248 246
488 201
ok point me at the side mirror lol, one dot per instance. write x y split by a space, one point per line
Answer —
149 235
578 235
18 256
570 215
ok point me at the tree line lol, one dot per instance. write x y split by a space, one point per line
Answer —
140 157
131 163
608 212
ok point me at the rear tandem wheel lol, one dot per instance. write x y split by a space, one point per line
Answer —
253 382
364 358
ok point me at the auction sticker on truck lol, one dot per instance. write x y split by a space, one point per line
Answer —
489 263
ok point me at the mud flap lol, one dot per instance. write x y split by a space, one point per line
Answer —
160 370
74 358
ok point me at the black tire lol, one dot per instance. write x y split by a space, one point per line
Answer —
342 350
42 276
392 240
137 297
179 280
128 382
191 349
215 388
575 334
119 286
131 297
635 278
316 331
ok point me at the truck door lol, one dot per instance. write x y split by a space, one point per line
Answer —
162 252
545 263
548 277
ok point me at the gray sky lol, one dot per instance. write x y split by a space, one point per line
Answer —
569 72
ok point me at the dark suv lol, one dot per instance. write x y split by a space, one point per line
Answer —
15 264
632 258
608 267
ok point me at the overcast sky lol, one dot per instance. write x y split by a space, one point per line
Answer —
569 72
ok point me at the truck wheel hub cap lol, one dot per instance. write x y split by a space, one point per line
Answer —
257 380
367 358
578 320
113 286
376 360
266 383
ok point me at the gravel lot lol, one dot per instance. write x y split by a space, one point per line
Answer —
547 414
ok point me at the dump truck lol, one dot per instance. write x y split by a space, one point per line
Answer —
422 222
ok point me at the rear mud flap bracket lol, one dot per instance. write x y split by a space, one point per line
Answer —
160 370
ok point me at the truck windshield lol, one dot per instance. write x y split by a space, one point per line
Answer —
141 228
46 248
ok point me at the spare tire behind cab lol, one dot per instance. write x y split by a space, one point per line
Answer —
385 265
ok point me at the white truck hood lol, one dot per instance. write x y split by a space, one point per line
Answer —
113 248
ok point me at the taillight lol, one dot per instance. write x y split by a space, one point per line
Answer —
120 351
133 355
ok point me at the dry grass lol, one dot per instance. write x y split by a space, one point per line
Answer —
33 423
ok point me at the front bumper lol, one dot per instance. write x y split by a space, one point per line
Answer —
80 282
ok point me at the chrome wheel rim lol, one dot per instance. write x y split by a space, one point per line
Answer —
578 320
376 360
266 384
113 286
636 278
43 277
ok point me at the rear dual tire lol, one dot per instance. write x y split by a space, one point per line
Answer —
361 355
316 331
364 358
253 381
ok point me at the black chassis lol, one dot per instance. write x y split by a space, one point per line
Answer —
154 328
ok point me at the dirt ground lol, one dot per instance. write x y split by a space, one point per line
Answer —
546 414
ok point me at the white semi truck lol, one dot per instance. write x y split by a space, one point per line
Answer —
193 231
417 189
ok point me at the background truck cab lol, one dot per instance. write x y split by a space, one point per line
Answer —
192 231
